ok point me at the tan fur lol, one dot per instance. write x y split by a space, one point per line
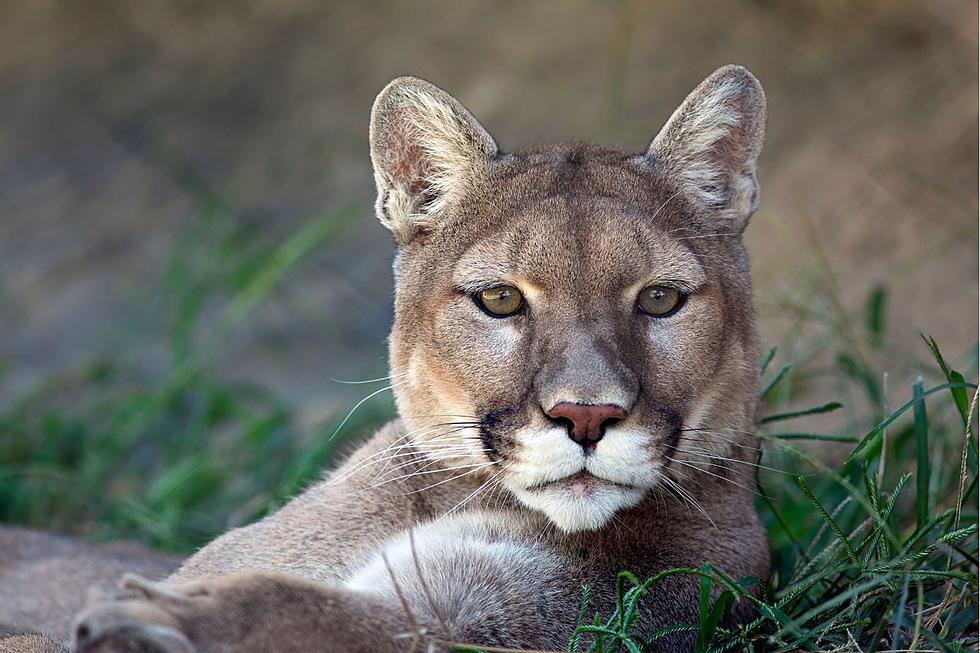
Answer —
474 517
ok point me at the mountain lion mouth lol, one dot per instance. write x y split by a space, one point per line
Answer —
580 484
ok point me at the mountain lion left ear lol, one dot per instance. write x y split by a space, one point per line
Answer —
426 149
710 145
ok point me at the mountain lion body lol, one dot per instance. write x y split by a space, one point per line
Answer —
574 362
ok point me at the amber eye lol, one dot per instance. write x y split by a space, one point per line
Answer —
660 301
500 301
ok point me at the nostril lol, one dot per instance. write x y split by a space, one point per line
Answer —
563 421
586 423
82 633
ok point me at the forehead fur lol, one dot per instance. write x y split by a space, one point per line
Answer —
581 210
586 241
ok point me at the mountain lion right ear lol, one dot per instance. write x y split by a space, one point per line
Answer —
426 149
712 141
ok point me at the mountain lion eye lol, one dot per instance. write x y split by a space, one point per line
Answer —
500 301
660 301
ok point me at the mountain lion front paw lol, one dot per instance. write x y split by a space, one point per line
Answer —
144 617
244 612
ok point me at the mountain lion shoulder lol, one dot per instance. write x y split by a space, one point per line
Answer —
575 366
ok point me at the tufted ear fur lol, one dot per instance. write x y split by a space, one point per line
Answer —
427 149
712 141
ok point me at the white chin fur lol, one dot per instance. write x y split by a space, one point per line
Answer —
572 513
549 455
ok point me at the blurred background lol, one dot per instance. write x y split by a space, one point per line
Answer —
189 259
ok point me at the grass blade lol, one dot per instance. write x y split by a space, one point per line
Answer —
766 359
722 608
921 455
818 437
876 315
775 381
814 410
867 439
851 553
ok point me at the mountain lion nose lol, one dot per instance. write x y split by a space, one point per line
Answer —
587 421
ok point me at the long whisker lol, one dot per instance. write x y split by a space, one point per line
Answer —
718 434
416 457
668 489
377 380
712 457
432 471
709 473
441 442
715 235
475 492
666 202
708 454
723 428
378 456
430 458
689 498
426 457
360 403
447 480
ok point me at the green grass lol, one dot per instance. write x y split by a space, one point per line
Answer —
872 522
176 455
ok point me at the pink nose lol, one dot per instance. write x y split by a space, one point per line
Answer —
587 420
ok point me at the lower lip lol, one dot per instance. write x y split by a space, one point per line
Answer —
581 485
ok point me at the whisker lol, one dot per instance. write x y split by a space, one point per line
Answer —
430 457
454 441
416 457
394 446
719 435
708 454
666 202
689 498
453 478
548 524
668 489
473 494
426 458
432 471
377 380
722 428
715 235
471 418
709 473
360 403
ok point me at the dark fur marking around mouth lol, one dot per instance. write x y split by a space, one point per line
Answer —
675 427
487 424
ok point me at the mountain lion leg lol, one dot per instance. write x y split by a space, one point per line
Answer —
247 611
450 591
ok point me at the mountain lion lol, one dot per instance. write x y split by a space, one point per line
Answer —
575 366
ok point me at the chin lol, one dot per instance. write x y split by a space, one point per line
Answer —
579 503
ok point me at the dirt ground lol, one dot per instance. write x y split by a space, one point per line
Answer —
116 117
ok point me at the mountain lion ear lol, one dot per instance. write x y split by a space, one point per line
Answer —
426 149
711 143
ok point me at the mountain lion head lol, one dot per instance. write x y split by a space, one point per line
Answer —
573 322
